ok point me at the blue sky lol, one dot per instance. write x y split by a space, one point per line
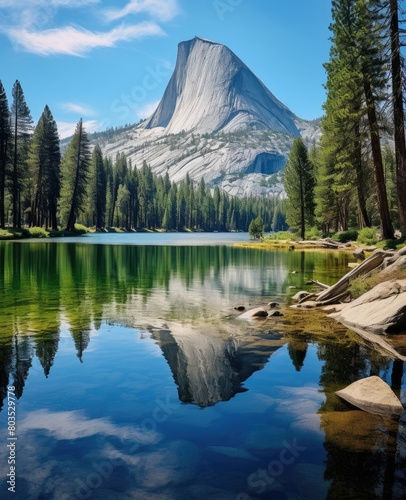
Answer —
109 61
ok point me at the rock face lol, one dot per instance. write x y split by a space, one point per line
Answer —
374 395
208 369
217 121
381 310
212 90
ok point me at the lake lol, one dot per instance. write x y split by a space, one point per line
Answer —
134 379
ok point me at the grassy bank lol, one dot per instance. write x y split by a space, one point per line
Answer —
38 232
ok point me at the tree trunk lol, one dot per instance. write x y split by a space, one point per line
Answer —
302 208
365 222
398 114
387 228
72 217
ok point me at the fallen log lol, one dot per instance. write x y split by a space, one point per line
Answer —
318 283
322 243
372 263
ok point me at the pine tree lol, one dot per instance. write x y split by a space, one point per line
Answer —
44 160
97 189
398 112
75 172
5 137
256 228
299 187
21 127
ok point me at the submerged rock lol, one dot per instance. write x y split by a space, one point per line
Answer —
373 395
266 437
239 308
229 452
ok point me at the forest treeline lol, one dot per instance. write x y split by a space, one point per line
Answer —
356 175
40 187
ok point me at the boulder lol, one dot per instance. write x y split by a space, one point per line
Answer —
275 313
359 253
373 395
272 305
258 312
239 308
381 310
300 295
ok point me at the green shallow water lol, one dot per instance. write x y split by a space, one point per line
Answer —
134 378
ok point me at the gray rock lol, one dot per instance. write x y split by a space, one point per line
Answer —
359 253
275 313
300 295
230 96
381 310
239 308
272 305
373 395
258 312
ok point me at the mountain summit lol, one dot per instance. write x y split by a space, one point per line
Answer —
218 122
212 90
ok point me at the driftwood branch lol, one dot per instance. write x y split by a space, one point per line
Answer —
370 264
317 283
325 243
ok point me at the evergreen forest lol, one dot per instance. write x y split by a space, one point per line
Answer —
355 177
41 187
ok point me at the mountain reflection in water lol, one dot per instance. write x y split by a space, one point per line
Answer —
208 369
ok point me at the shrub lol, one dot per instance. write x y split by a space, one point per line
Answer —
367 236
346 236
20 232
38 232
391 244
5 235
284 235
313 234
359 286
80 229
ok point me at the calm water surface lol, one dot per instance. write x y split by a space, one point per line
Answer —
135 380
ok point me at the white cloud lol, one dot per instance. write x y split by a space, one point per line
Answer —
30 24
147 110
38 13
77 41
163 10
80 109
67 129
75 425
